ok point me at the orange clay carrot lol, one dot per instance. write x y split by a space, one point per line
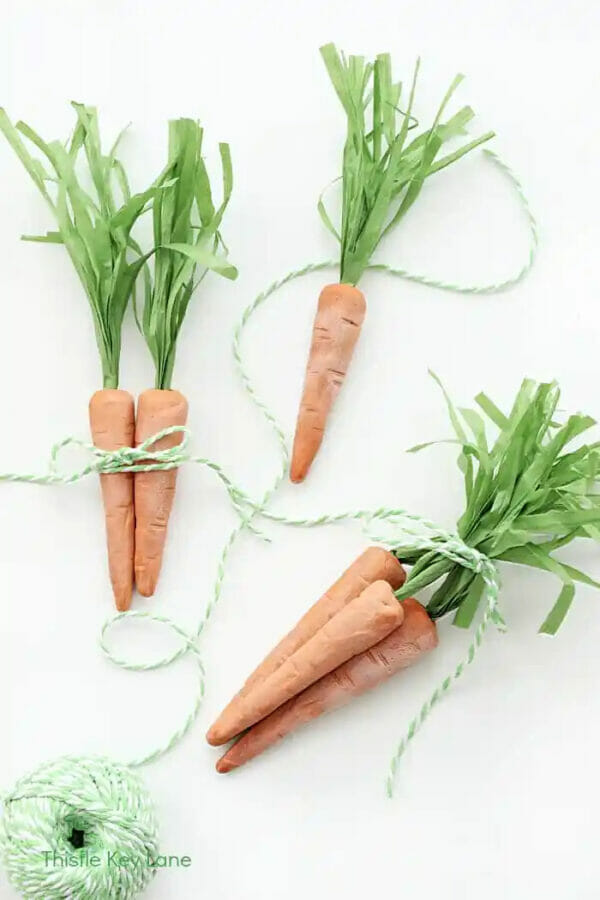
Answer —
337 325
154 491
382 175
188 242
112 426
403 646
373 564
365 621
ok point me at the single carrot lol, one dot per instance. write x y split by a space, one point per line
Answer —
338 321
374 564
154 491
188 243
382 176
112 425
365 621
401 648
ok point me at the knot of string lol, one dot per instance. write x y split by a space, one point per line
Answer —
143 457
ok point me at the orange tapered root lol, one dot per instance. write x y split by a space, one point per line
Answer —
155 491
338 321
365 621
374 564
400 649
112 425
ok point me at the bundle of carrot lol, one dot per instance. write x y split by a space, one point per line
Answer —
187 241
527 495
96 230
383 173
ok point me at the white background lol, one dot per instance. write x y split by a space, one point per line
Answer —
499 795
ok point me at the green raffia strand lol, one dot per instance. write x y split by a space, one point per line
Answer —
406 527
95 228
383 172
187 239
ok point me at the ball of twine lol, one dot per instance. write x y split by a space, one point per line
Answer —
79 808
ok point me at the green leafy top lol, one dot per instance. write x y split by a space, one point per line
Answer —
187 238
94 226
526 496
382 174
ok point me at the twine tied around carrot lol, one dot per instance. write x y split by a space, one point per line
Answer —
126 459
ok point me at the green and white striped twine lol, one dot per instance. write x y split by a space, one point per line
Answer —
406 528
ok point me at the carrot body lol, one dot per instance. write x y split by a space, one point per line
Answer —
403 646
365 621
337 325
154 491
373 564
112 423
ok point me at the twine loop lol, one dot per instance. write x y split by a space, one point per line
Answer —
189 643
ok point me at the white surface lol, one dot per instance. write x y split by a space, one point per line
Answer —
498 796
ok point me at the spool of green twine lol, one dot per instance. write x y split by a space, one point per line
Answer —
79 828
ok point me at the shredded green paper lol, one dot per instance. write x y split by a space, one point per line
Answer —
527 495
93 225
187 240
383 171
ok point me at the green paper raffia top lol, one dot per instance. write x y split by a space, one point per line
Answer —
95 226
526 484
95 230
383 171
187 237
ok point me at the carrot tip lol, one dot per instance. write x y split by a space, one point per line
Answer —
146 585
298 470
223 766
123 601
213 737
